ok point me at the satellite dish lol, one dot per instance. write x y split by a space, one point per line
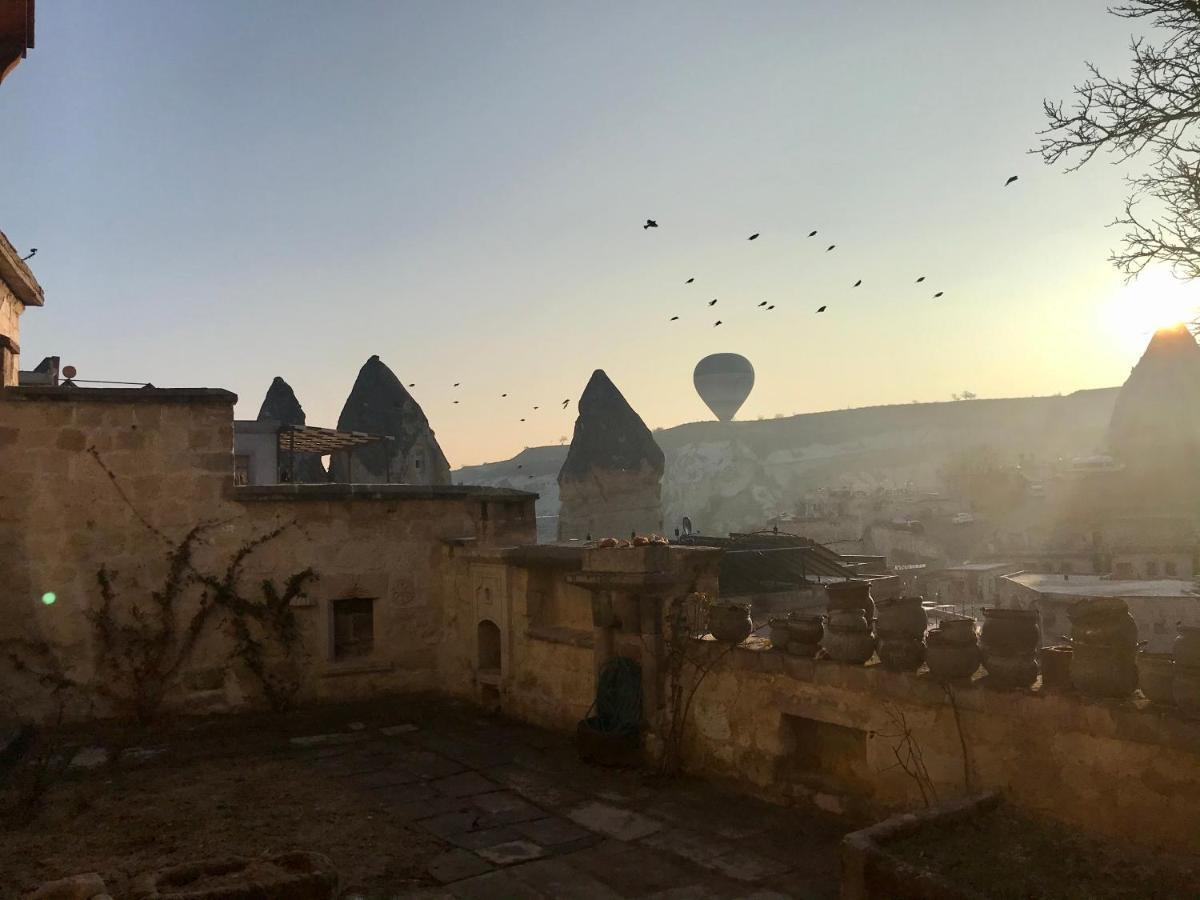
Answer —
724 381
68 371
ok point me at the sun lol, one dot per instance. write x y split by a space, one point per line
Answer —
1155 299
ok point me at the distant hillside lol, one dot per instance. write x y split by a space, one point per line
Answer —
735 475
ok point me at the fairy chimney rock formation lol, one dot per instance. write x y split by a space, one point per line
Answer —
611 482
379 404
280 405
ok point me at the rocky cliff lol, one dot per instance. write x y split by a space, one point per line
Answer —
379 404
280 405
610 482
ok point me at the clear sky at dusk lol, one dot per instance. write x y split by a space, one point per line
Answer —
222 192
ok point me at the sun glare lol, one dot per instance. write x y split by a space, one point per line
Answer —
1156 299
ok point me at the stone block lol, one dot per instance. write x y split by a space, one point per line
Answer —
511 853
614 822
455 865
465 784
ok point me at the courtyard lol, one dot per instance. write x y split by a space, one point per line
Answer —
410 797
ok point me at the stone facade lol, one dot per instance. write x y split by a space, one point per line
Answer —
18 289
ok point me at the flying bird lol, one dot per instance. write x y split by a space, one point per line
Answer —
412 385
712 302
565 402
919 280
522 420
673 319
830 247
857 283
753 236
504 395
772 306
764 303
1011 179
821 309
690 280
520 465
535 407
716 323
456 403
32 253
457 383
650 223
812 233
938 294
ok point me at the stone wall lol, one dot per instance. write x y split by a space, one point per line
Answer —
823 732
10 329
117 478
610 504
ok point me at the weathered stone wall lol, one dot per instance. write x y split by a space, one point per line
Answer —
117 478
829 733
10 327
610 504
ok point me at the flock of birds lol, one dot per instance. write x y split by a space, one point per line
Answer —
652 223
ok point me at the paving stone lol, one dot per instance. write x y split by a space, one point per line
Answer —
385 778
357 726
429 765
454 865
423 894
452 823
694 846
89 758
484 837
559 879
512 852
535 786
397 730
614 822
399 795
746 866
553 831
315 740
421 809
633 870
689 892
464 785
505 807
495 886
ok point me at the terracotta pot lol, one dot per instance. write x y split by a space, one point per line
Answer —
1056 667
781 633
958 631
1156 676
853 647
901 654
1187 646
730 622
1010 632
1018 671
850 595
806 629
950 659
1103 622
848 620
1185 688
1100 671
901 616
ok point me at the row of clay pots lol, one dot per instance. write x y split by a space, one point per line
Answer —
798 634
952 650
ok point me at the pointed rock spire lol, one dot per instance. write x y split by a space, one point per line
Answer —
1158 409
280 405
380 404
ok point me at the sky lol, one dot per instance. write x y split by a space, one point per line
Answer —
221 192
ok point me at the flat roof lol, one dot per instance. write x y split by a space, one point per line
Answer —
1099 586
16 274
981 567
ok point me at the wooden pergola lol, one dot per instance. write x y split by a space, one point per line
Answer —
295 439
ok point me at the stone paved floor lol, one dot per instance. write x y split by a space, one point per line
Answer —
521 817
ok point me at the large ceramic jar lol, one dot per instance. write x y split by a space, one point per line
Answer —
1156 676
1100 671
1010 632
805 630
950 658
1187 646
853 647
901 616
730 622
1103 621
901 654
1055 663
781 634
1018 671
957 631
848 620
854 594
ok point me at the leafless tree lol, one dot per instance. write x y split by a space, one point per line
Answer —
1153 113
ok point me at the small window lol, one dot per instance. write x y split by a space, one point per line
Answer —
353 627
1172 570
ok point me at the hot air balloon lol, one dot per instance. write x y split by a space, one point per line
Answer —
724 381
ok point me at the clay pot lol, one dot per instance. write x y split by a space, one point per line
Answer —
1056 667
957 631
850 595
781 633
848 620
950 659
1156 676
853 647
806 630
1018 671
730 622
901 654
1187 646
1101 671
1103 622
1010 632
1185 688
901 616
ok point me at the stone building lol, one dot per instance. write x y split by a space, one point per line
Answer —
611 481
379 404
18 289
16 33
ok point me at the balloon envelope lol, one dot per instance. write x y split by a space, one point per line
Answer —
724 381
